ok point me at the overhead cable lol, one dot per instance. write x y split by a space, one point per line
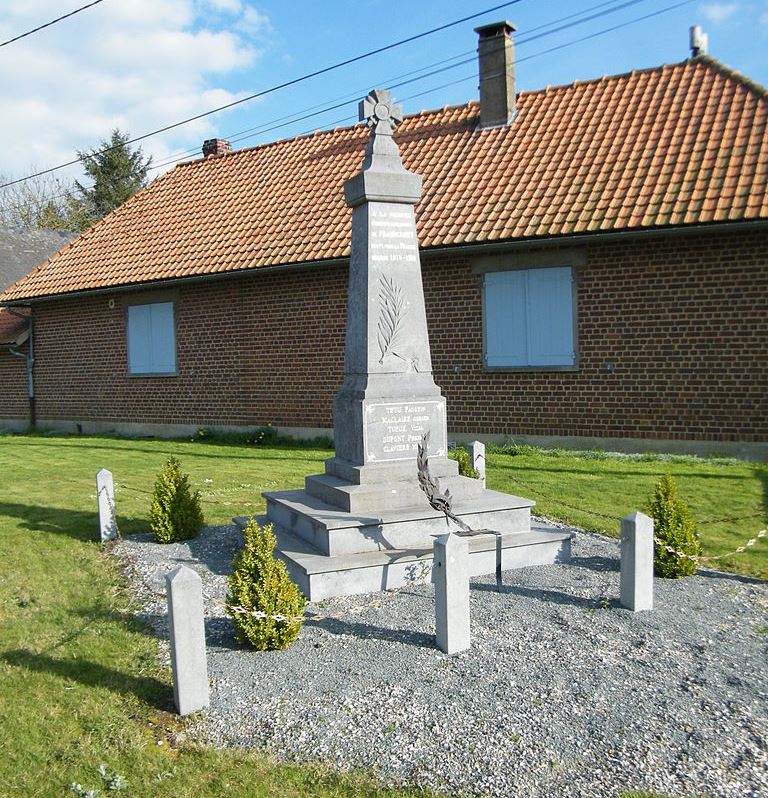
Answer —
275 88
52 22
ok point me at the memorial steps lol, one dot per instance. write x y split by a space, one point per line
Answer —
330 551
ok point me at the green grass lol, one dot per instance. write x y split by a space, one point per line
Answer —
79 681
594 491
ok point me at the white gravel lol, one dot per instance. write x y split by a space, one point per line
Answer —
563 693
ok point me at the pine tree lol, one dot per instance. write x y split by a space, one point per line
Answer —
673 528
260 584
117 173
175 512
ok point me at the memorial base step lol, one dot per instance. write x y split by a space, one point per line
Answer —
334 532
320 576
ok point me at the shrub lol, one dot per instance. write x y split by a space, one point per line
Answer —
260 584
175 512
674 527
461 456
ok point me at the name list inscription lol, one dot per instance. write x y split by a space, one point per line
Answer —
392 236
393 431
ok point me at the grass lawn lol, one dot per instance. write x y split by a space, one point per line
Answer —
79 682
594 492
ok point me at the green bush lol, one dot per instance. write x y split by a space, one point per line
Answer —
175 512
673 527
260 584
461 456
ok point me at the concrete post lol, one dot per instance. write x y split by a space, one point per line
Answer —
477 458
105 495
451 569
188 660
637 562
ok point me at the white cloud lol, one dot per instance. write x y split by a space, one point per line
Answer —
718 12
138 66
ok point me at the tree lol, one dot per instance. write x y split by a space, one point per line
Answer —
677 547
40 203
117 173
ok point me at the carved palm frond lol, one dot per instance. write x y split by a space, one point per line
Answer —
391 312
439 501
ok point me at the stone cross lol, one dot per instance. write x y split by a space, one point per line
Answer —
451 576
105 496
188 659
380 112
637 562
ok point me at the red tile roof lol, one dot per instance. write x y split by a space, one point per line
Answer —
11 328
676 145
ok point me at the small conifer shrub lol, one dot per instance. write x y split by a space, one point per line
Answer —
673 527
259 587
175 512
461 456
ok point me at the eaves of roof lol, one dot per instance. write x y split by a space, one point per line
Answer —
681 146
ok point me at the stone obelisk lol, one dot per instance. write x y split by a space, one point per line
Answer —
388 399
365 524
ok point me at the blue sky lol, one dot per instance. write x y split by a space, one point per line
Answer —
142 64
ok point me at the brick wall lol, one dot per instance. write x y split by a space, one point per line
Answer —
681 321
673 344
14 403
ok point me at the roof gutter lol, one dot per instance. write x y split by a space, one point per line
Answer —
595 238
482 247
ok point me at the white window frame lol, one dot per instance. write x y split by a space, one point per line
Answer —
158 319
530 317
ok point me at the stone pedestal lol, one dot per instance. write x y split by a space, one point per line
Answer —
368 501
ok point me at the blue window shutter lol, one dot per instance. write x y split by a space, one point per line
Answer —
163 338
550 318
151 339
505 319
139 340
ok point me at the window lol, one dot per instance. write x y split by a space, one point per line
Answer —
151 339
529 318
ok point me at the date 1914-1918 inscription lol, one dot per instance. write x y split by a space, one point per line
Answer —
393 431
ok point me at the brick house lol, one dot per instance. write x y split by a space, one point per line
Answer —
594 256
20 251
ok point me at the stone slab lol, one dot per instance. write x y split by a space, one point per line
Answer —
392 495
335 532
320 577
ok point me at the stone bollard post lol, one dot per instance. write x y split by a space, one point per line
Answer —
105 495
637 562
188 660
451 569
477 458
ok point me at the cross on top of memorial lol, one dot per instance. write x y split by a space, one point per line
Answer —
383 178
380 112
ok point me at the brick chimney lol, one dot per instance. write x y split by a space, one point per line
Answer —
496 59
215 147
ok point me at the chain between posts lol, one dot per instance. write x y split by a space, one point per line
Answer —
699 559
669 549
377 602
706 522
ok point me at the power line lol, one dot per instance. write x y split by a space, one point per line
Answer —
325 109
277 87
48 24
271 125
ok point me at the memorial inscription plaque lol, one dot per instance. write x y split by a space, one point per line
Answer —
393 430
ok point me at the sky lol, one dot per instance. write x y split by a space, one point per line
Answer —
139 65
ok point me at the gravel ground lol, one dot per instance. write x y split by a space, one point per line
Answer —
563 693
